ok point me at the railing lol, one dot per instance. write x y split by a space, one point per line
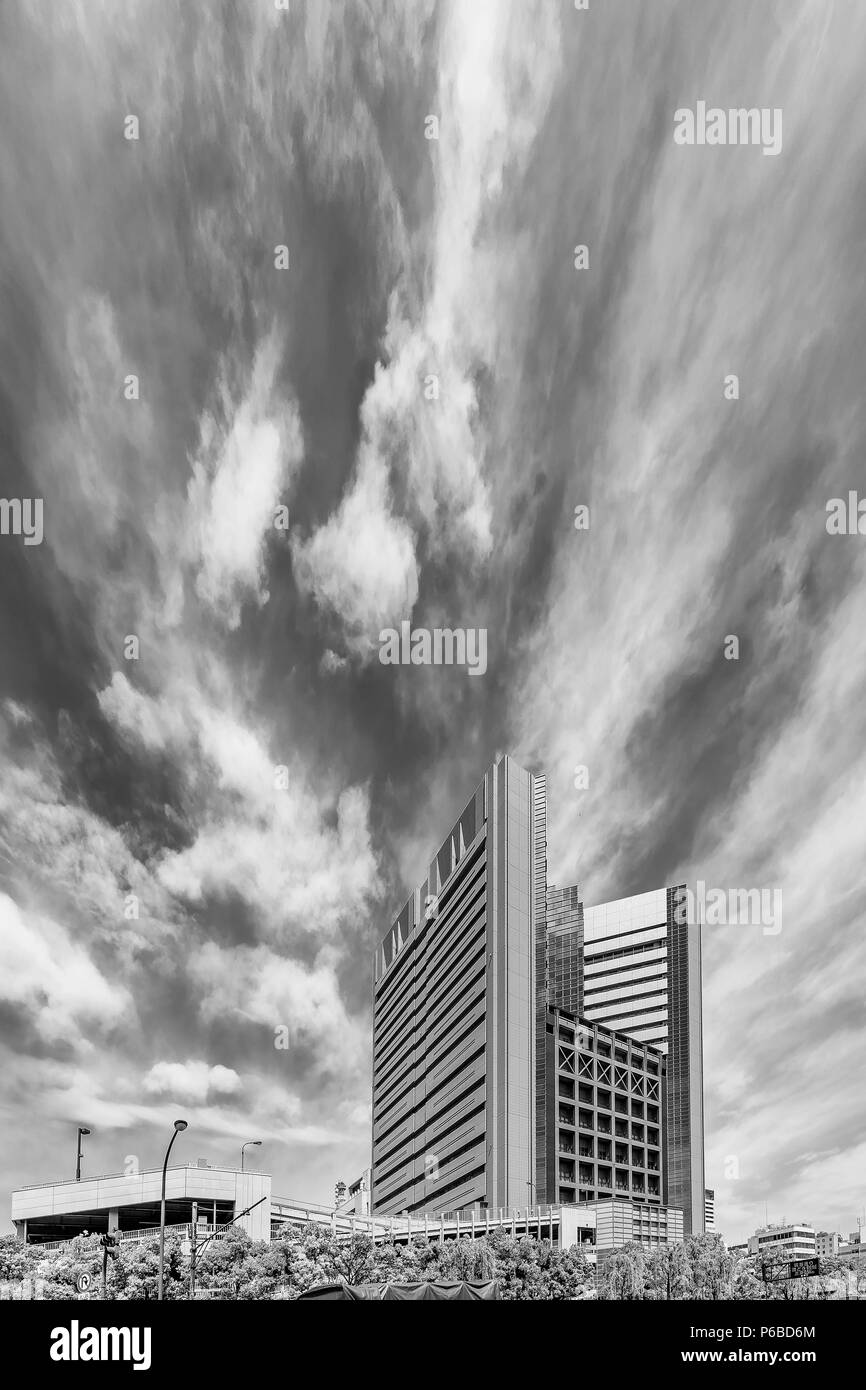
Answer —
105 1177
183 1229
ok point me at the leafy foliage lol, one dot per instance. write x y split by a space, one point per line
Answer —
236 1267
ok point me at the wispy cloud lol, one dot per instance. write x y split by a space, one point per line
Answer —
201 840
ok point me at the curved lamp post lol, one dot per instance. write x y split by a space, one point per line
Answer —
179 1125
82 1129
255 1143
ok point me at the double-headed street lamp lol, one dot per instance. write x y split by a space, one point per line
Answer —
178 1126
82 1129
251 1143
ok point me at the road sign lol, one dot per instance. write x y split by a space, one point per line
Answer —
790 1269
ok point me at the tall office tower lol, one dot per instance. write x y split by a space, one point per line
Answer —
710 1209
454 1013
642 976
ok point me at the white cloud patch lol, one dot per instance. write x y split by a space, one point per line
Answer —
65 994
245 460
256 984
192 1082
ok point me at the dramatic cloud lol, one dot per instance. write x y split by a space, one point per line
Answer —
213 794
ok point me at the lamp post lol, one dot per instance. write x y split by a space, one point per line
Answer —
82 1129
178 1126
254 1143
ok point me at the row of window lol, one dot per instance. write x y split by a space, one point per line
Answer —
603 1102
637 1155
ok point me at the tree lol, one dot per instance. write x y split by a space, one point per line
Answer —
16 1260
710 1266
667 1273
746 1281
340 1193
571 1275
624 1273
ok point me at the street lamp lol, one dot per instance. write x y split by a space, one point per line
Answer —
178 1126
255 1143
82 1129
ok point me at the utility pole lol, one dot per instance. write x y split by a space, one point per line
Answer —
192 1251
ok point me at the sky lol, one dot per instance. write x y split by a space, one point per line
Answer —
246 776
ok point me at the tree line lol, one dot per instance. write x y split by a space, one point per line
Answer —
297 1259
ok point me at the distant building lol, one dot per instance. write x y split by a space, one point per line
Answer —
709 1209
357 1198
827 1244
786 1241
854 1249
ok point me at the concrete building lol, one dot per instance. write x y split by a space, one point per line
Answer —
56 1211
455 1016
784 1241
618 1222
641 976
827 1244
709 1209
606 1113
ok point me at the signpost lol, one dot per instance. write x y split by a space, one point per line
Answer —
790 1269
110 1244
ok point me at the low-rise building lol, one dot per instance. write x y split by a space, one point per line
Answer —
130 1203
784 1241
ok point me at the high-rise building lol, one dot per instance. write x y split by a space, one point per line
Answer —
709 1209
467 1084
642 976
455 1013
